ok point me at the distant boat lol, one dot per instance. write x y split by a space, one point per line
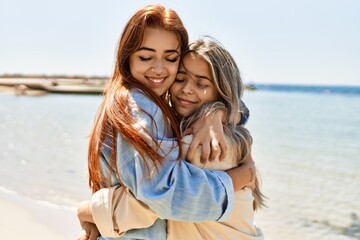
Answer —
250 86
79 89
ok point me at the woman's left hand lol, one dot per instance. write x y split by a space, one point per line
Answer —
89 231
209 135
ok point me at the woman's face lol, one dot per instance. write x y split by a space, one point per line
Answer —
193 85
155 63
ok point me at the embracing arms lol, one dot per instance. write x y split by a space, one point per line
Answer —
116 211
178 190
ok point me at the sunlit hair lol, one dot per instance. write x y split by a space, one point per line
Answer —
114 115
229 85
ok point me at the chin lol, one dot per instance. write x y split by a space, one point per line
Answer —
185 114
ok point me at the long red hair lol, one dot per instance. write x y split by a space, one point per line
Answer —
114 116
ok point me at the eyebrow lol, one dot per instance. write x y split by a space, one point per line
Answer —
197 76
153 50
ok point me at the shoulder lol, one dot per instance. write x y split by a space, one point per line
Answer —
148 114
140 101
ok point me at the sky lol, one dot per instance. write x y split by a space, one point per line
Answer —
312 42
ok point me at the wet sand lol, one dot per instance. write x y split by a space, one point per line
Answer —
23 218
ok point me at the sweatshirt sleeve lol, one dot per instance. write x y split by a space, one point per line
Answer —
116 211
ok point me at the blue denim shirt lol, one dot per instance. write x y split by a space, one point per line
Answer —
179 190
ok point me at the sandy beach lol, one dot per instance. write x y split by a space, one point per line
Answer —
24 218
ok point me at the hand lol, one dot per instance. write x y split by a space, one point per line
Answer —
209 135
82 235
89 231
250 165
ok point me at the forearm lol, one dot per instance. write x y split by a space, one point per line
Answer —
177 191
244 175
238 117
84 212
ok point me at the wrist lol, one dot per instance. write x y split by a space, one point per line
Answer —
220 115
243 176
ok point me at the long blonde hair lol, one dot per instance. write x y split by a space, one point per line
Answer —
227 80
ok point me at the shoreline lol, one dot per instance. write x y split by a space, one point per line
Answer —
25 218
6 89
35 86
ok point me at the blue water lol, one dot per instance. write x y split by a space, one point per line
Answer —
309 88
306 147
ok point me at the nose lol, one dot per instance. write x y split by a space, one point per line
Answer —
187 88
158 67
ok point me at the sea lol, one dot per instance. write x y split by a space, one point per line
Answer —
306 148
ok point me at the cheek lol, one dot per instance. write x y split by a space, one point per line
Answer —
175 87
210 95
173 69
172 90
205 97
134 67
137 66
132 62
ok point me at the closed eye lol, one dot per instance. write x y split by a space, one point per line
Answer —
145 58
180 77
173 60
202 86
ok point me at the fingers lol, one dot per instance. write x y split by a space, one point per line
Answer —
93 235
223 150
205 153
250 164
192 149
252 185
82 235
209 152
215 150
188 131
89 232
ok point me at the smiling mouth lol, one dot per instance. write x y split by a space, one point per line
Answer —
156 81
184 101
